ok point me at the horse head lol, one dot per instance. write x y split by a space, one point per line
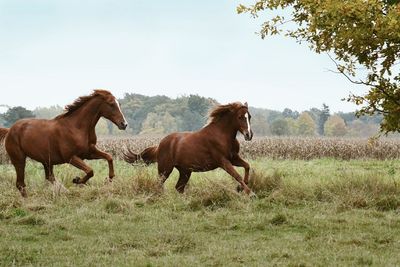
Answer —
111 110
237 115
243 119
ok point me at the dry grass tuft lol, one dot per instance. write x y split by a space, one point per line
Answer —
144 182
212 194
263 183
279 219
117 206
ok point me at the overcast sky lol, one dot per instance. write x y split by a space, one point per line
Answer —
54 51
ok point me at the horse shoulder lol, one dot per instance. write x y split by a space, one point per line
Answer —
236 146
92 137
69 141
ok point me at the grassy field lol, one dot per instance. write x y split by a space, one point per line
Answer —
321 212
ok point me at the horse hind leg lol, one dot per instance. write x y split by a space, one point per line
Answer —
164 171
20 170
48 171
184 176
18 159
57 186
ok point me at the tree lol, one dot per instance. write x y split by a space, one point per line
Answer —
288 113
188 112
293 126
101 127
362 37
191 121
273 116
137 107
152 125
259 125
335 126
280 127
110 127
16 113
358 128
159 124
306 125
198 104
2 121
47 113
323 117
348 117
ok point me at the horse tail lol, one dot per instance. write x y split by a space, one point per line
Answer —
3 133
149 155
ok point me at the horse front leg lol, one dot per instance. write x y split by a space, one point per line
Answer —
48 171
228 167
239 162
80 164
96 153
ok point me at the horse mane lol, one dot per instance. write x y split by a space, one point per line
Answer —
221 110
79 102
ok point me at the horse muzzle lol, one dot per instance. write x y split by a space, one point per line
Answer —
248 136
122 125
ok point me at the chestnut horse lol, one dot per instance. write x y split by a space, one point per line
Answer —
68 138
213 146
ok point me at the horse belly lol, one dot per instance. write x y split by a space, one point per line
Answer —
205 168
36 142
197 163
41 150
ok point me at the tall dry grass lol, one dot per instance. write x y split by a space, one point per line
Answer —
286 147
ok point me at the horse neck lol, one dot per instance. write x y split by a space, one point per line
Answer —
225 128
86 117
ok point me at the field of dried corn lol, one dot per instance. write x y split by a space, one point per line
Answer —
301 148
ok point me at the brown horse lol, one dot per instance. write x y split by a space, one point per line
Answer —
68 138
213 146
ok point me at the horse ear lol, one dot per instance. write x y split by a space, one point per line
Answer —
106 95
246 105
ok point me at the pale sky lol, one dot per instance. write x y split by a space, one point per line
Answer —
52 51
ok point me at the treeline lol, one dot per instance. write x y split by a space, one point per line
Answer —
161 115
313 122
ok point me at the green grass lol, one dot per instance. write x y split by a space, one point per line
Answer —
308 213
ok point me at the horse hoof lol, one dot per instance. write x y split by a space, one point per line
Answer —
23 193
108 180
76 180
252 195
239 188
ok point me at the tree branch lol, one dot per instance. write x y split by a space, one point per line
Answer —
361 82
